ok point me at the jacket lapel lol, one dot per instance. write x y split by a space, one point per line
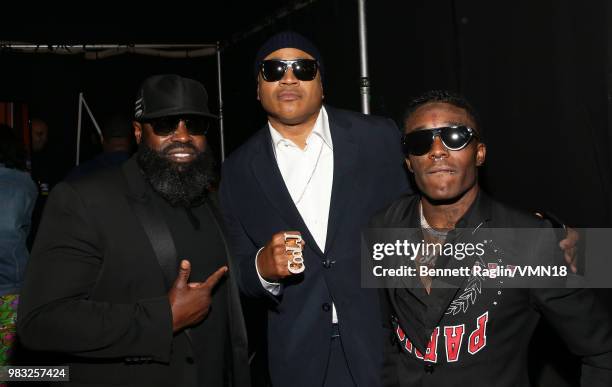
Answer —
345 171
411 302
266 171
153 224
445 291
411 221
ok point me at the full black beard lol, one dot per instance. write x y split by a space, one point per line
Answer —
181 185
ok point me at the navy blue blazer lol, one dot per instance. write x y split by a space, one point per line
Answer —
368 174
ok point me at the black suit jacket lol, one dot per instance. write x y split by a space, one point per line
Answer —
368 173
478 332
95 291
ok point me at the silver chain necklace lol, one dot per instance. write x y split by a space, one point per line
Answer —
311 174
425 226
440 236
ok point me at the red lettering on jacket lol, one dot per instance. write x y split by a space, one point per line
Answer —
431 352
453 339
453 336
478 338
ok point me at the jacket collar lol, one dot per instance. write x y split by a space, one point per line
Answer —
478 214
138 188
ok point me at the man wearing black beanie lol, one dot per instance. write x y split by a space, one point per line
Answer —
295 197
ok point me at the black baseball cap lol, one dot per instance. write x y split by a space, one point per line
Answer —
170 95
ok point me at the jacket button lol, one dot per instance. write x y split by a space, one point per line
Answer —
189 360
328 263
326 307
429 368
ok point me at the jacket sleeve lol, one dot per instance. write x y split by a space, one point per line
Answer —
578 316
242 247
584 324
28 201
56 312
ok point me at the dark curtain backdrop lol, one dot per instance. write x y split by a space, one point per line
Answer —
537 72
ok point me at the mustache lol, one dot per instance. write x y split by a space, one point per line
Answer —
174 146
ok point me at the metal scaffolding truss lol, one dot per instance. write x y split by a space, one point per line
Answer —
103 51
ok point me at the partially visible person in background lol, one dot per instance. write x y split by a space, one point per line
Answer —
40 134
117 144
41 165
49 166
17 198
41 170
41 158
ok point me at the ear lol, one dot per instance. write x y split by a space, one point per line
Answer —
409 165
137 131
258 82
481 153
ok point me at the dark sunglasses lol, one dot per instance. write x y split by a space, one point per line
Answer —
166 126
454 138
274 69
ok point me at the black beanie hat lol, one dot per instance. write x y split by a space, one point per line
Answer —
287 39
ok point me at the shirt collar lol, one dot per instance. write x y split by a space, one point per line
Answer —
320 128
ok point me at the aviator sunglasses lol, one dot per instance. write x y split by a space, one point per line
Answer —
273 70
454 138
165 126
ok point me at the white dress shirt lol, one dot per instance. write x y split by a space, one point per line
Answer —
308 175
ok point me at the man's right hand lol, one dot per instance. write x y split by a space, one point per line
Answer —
273 258
190 302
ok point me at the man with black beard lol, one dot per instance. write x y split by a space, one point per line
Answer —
181 184
130 281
